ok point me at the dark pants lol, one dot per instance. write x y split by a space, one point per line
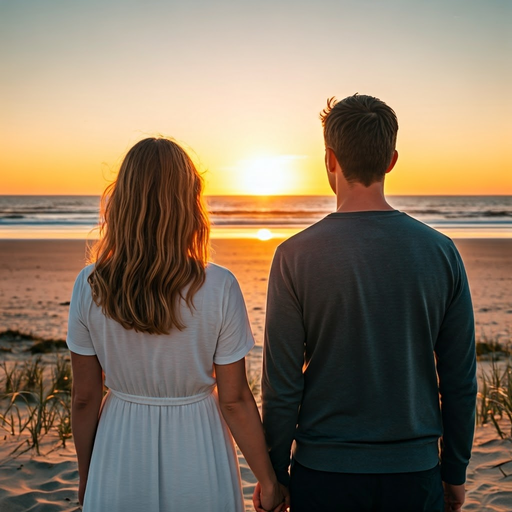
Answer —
312 490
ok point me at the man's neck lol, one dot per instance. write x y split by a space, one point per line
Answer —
355 197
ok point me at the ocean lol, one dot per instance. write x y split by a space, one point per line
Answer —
74 217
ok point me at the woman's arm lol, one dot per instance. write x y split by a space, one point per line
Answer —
85 409
241 414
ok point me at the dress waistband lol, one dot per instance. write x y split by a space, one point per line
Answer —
161 400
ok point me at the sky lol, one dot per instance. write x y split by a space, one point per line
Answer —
240 84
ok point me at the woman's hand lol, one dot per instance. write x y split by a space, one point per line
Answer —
272 499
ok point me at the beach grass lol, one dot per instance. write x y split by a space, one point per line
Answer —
494 400
36 400
495 397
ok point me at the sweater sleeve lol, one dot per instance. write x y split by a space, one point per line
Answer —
456 367
283 360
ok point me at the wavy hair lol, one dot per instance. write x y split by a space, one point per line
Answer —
154 239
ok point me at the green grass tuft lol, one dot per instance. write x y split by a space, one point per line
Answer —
36 400
494 402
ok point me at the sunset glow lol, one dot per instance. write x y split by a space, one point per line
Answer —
266 176
264 234
75 99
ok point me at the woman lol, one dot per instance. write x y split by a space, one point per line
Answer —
168 332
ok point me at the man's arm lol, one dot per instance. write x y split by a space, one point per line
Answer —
283 359
456 366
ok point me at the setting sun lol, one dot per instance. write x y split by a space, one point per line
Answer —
266 175
264 235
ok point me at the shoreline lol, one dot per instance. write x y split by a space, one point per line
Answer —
246 232
37 276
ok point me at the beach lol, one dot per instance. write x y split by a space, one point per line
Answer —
36 280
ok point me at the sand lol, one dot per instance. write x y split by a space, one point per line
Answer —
36 279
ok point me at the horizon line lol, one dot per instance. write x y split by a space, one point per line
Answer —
272 195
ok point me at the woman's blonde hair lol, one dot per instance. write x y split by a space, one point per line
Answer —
154 238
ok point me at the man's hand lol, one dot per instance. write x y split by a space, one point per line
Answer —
454 496
278 500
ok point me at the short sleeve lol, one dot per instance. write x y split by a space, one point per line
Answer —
78 338
235 337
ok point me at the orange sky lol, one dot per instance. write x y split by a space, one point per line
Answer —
242 85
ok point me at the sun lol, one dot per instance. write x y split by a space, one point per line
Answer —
265 175
264 235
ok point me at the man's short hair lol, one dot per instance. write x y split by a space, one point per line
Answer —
361 130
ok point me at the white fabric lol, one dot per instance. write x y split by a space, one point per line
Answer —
162 444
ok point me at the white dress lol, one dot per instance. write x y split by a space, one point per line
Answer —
161 443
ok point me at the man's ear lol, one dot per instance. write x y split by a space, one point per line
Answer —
393 161
331 161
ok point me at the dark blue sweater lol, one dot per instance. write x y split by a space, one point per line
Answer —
369 354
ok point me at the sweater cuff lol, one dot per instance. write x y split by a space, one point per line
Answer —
453 474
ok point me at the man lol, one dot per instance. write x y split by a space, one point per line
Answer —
369 357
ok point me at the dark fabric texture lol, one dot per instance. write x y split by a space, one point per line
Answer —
365 312
313 490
